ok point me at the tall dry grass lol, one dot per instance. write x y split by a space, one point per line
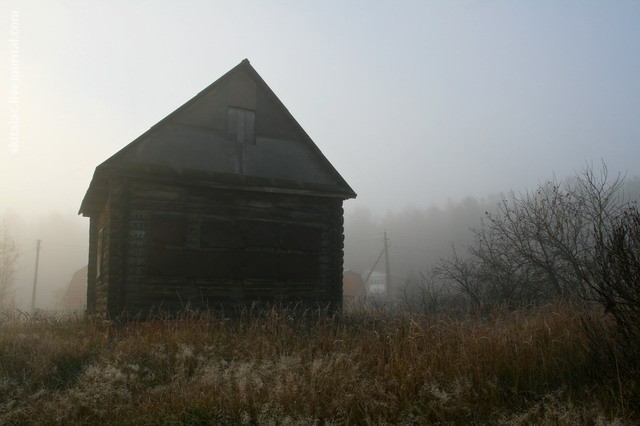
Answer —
278 367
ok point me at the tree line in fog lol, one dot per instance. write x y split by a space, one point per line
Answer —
421 239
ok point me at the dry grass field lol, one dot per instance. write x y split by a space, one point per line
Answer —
365 366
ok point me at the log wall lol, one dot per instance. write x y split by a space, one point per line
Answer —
182 247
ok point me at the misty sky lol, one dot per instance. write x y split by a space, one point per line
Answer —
413 102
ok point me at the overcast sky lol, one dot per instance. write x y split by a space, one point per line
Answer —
413 102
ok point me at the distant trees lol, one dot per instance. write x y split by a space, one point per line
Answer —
8 256
418 237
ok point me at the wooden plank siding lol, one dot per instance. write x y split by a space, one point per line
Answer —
239 247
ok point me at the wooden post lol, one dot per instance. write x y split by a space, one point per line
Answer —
386 261
35 277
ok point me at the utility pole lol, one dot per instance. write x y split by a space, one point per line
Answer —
385 251
366 280
35 277
386 261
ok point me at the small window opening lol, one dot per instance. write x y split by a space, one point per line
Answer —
241 125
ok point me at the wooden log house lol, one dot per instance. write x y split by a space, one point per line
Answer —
225 202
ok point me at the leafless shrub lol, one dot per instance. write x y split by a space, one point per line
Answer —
570 240
539 245
428 294
614 282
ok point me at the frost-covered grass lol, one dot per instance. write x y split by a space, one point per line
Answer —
364 366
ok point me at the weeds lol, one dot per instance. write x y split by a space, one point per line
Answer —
278 367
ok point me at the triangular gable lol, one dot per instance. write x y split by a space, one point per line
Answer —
196 138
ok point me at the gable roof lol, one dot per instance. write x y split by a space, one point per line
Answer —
193 144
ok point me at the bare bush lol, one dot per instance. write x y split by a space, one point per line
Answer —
428 294
539 245
614 281
576 239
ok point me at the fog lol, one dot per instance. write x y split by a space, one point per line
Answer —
63 250
427 109
419 238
